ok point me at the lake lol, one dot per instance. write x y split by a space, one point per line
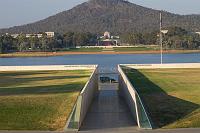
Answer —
101 60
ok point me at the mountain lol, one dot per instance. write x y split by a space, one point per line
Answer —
116 16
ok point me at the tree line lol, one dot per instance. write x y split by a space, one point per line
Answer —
44 44
175 38
179 38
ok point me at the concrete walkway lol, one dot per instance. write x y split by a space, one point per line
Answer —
108 111
118 130
191 130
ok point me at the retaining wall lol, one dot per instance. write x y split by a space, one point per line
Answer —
134 101
83 103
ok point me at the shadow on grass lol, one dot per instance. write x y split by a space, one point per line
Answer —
52 89
25 73
163 108
21 81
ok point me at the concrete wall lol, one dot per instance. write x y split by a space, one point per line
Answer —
83 103
88 93
171 65
47 67
133 100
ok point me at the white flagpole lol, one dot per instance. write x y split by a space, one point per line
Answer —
161 45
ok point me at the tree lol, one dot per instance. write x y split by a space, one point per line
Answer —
179 38
33 40
139 38
81 39
176 31
44 42
68 39
22 42
149 38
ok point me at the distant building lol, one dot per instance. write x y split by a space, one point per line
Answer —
29 35
50 34
39 35
197 33
108 40
164 31
14 35
107 35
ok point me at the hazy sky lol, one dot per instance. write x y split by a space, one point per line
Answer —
17 12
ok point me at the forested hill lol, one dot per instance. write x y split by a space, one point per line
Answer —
116 16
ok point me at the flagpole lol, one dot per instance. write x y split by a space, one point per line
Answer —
161 39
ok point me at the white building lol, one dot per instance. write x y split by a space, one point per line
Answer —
197 33
50 34
164 31
29 35
39 35
14 35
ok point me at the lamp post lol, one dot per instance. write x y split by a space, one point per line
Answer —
161 45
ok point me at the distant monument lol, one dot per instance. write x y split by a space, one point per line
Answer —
107 35
108 40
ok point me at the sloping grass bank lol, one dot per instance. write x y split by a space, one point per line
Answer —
172 96
39 100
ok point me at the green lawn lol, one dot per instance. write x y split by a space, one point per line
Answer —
172 96
84 49
39 100
129 49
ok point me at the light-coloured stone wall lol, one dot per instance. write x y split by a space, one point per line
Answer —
83 102
89 91
47 67
133 100
170 65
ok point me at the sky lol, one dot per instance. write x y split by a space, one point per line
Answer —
18 12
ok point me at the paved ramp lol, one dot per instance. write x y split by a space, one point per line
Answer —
108 111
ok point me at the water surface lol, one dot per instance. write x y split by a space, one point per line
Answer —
102 60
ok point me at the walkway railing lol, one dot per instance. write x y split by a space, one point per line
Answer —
134 101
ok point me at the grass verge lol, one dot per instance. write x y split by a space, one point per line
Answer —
84 49
128 49
172 96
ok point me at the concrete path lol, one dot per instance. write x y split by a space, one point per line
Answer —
118 130
192 130
108 111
